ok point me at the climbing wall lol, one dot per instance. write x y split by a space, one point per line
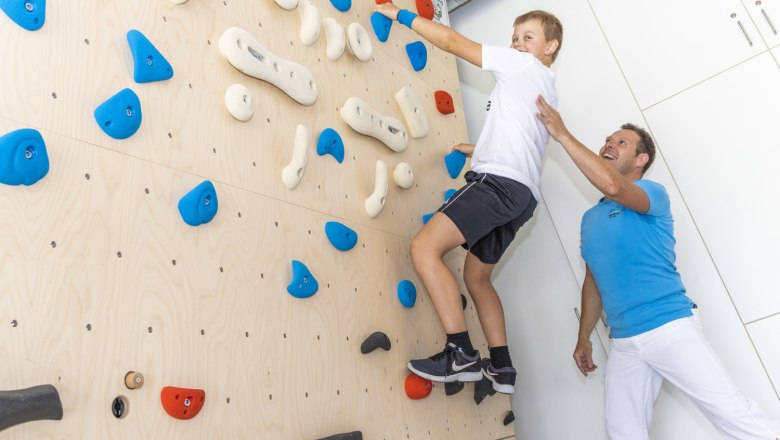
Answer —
99 275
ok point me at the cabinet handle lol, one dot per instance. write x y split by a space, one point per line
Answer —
577 313
771 25
744 32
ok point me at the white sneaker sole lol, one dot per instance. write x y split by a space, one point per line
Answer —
462 377
503 389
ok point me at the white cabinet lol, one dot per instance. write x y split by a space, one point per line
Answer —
765 334
666 46
721 144
766 16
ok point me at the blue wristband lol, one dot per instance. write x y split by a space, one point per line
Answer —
406 17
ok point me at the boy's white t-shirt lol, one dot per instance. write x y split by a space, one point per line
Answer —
513 139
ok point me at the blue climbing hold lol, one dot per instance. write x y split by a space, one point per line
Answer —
427 217
450 192
418 55
150 64
23 157
303 284
120 115
340 236
381 25
407 293
330 142
199 205
29 14
455 162
341 5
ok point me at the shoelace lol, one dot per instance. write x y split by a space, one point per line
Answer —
444 353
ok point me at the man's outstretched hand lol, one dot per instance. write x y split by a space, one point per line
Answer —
551 119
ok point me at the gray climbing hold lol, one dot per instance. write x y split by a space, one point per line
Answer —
40 402
376 340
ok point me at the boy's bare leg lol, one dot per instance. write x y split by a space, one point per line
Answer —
437 237
477 274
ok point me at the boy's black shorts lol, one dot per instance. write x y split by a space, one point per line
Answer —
489 211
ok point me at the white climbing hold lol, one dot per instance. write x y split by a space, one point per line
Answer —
293 173
287 4
178 2
403 175
359 115
311 22
336 39
376 201
246 54
238 100
413 112
359 42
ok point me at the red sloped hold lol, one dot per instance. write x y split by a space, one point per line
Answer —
425 9
444 102
379 2
182 403
416 387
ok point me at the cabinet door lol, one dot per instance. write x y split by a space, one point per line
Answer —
766 16
720 142
666 46
764 334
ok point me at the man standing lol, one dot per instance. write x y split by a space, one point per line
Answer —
627 242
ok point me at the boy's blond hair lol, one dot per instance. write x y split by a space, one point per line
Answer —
553 29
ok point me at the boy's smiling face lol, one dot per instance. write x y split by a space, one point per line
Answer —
529 37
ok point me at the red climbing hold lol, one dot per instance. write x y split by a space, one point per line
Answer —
417 387
379 2
182 403
425 9
444 102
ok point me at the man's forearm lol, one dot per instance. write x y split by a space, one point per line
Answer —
591 307
605 178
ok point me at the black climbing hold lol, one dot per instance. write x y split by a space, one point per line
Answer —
40 402
453 388
510 417
354 435
118 407
376 340
463 300
484 387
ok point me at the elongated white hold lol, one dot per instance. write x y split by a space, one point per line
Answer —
359 115
376 201
246 54
403 175
239 103
413 112
293 173
287 4
336 39
178 2
359 42
311 22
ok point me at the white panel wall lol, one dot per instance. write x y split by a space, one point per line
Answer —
595 98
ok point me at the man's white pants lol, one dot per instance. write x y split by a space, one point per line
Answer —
677 352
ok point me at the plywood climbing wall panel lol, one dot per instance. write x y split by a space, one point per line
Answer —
100 275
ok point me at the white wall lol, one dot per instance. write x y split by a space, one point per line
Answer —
540 276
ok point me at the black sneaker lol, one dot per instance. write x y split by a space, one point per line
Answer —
450 365
503 378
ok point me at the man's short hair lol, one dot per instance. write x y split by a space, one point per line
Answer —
553 29
645 145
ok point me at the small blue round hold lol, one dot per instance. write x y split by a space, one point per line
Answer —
341 5
23 157
418 55
340 236
29 14
330 142
407 293
200 205
455 162
303 284
120 116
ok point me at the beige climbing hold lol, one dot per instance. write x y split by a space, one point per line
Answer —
287 4
413 112
311 22
293 173
359 115
403 175
246 54
359 42
238 100
376 201
134 380
336 39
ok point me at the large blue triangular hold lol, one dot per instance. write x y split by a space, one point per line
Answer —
120 115
381 25
341 5
303 284
23 157
418 55
29 14
407 293
455 162
330 142
149 64
340 236
200 205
